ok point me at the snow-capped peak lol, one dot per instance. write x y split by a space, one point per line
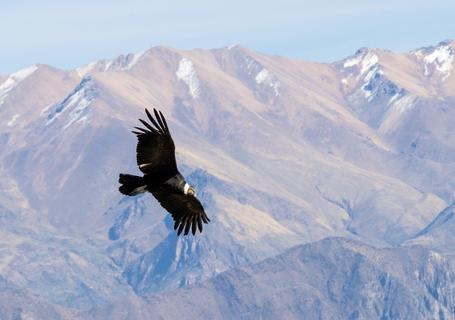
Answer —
363 66
187 74
364 60
442 58
126 62
121 63
14 79
438 58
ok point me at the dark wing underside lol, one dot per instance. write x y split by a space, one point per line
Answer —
155 151
186 210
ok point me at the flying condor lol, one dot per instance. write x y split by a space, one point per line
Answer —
155 154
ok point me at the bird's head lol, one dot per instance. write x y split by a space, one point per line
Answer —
189 190
192 191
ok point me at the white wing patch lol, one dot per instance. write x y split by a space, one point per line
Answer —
186 188
144 165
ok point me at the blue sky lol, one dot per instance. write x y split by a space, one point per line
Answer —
67 34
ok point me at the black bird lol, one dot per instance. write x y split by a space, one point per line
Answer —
155 154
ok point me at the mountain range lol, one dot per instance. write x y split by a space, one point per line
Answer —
330 187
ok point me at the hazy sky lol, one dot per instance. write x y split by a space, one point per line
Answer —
66 34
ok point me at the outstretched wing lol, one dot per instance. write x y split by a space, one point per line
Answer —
155 151
186 211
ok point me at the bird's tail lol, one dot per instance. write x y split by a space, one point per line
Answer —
131 185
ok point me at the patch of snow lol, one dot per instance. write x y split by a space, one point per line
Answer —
418 53
107 65
121 63
75 115
276 85
347 79
133 60
365 60
14 79
392 100
366 88
426 72
23 73
232 46
368 62
187 74
46 108
442 58
399 103
404 103
263 75
372 72
352 62
12 122
82 71
366 66
124 62
76 102
252 65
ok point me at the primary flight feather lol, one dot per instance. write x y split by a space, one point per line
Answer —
155 154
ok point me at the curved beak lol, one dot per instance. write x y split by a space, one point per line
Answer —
192 191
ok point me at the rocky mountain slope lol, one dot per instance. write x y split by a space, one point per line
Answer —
334 278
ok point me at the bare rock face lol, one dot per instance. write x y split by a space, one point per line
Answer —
282 152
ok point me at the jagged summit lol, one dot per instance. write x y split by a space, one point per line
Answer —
121 63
